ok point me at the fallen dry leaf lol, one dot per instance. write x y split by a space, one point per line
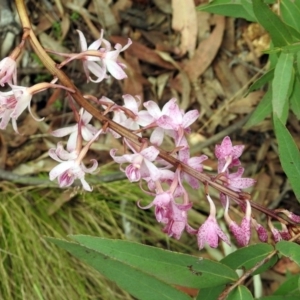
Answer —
185 20
143 53
206 51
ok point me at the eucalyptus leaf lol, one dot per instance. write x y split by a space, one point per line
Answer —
288 154
290 12
262 111
260 82
227 8
295 98
289 249
278 30
136 282
282 85
171 267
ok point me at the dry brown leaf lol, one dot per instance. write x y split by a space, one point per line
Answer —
185 21
143 53
105 14
206 51
133 84
120 5
65 26
246 105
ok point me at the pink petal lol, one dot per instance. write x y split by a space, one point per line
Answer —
150 153
149 169
97 70
115 70
153 109
82 40
96 45
131 103
90 169
60 169
157 136
189 118
64 131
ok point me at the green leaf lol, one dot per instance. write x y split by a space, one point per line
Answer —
282 85
289 249
240 293
292 48
263 110
290 12
171 267
295 98
210 293
247 257
264 79
279 298
228 8
278 30
139 284
289 154
298 63
289 287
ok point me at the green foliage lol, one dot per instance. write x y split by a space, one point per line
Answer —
290 287
290 250
56 30
288 153
75 16
240 293
247 257
146 263
139 283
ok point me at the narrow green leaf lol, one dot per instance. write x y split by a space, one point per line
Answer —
295 98
289 287
289 249
171 267
263 110
227 8
289 154
260 82
210 293
278 30
247 257
248 7
240 293
290 12
282 85
298 63
139 284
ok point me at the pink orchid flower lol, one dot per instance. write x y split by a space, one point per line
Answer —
236 182
87 130
170 119
8 71
107 61
140 164
227 154
71 166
